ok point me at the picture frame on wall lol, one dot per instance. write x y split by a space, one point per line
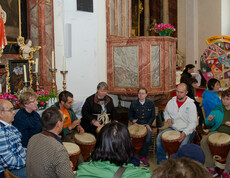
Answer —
13 20
15 74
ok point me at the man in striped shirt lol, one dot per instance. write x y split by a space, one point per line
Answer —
12 154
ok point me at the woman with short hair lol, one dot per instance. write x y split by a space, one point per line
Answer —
27 120
112 151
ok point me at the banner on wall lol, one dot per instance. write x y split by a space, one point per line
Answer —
215 60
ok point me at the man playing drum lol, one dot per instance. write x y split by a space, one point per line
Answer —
46 154
219 120
71 123
180 115
142 111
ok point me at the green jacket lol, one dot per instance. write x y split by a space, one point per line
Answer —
66 131
105 169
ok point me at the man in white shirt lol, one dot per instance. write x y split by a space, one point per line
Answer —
180 115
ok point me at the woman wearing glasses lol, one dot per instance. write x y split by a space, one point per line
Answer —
27 120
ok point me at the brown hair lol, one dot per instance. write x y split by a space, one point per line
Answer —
182 167
26 96
142 88
226 93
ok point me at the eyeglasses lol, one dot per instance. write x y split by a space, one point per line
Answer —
9 110
33 101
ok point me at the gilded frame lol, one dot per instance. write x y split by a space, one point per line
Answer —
15 74
13 20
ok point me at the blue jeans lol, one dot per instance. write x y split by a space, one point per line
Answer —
147 143
21 173
161 155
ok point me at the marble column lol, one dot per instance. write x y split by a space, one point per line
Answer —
146 17
165 11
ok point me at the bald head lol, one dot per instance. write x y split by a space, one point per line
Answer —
181 92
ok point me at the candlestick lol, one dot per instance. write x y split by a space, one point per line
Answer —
53 71
0 88
36 65
64 81
25 74
64 63
6 88
52 66
36 80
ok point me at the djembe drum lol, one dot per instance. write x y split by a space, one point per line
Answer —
73 152
219 144
86 142
137 133
170 141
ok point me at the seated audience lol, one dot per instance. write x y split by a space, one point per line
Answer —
27 120
71 124
186 75
181 168
180 115
97 110
219 120
142 111
46 155
191 94
191 151
210 96
12 154
112 151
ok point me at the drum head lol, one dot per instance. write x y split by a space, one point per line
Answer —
85 138
71 147
219 139
171 135
137 130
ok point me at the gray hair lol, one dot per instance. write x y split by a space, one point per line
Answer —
102 85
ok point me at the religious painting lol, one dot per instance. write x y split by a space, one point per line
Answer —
16 74
217 57
13 19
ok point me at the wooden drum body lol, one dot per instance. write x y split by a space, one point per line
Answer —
73 152
137 133
86 141
170 141
219 144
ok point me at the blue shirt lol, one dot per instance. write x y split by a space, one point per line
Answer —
12 154
28 124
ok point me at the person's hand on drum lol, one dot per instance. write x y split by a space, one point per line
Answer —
210 118
169 122
148 128
182 136
135 121
74 124
80 129
227 123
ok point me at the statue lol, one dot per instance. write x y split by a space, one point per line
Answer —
3 41
26 51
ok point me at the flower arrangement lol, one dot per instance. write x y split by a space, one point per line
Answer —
43 97
164 28
12 98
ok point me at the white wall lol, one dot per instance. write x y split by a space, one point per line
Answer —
225 14
87 66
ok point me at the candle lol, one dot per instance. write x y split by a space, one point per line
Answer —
0 88
6 88
25 74
64 63
36 65
52 60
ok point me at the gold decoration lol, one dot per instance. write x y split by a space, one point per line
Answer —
53 71
140 7
8 77
64 81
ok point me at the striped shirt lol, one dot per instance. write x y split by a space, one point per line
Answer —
12 154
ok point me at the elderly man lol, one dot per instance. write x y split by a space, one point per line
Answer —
180 115
71 123
142 111
97 110
46 155
12 154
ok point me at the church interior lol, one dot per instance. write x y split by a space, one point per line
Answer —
72 45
